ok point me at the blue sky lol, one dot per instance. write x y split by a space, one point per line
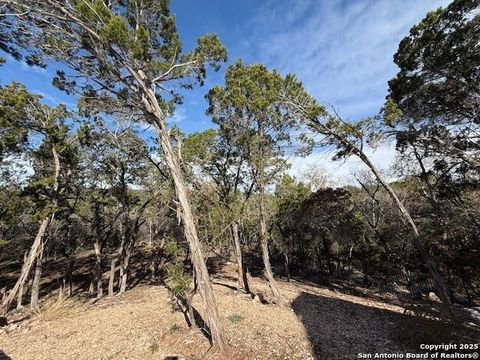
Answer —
341 49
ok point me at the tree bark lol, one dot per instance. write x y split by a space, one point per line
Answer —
37 278
21 288
67 278
27 265
287 265
98 267
204 285
124 272
277 297
111 280
243 285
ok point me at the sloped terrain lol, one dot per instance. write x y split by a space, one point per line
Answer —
142 324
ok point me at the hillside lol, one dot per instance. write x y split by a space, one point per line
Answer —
141 324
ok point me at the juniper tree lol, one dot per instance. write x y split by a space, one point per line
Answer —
55 153
433 101
350 139
124 56
225 165
257 125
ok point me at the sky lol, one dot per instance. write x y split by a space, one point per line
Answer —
342 50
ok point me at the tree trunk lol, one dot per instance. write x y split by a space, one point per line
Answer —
124 273
98 267
264 244
287 265
67 278
243 285
20 290
419 242
432 268
27 265
39 238
111 280
204 285
37 278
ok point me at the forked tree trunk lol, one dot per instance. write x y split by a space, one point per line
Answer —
277 297
204 285
37 276
243 285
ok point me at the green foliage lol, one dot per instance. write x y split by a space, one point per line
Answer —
178 279
175 328
432 101
17 106
116 31
115 49
235 318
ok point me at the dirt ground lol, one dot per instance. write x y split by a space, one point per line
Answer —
321 323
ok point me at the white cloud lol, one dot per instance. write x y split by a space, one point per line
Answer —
180 115
343 53
341 50
341 172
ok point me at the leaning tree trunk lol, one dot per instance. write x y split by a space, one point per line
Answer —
204 285
27 265
36 278
419 242
39 238
205 288
243 285
431 266
21 288
277 297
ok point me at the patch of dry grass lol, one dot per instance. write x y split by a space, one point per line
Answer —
54 308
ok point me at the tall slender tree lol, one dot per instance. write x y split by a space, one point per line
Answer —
257 125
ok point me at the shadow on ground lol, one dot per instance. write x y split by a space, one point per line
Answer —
4 356
339 329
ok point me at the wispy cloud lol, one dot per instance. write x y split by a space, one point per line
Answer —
179 116
341 172
343 53
341 50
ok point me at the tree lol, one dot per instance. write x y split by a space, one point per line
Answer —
249 114
349 139
224 164
433 100
125 57
289 195
56 147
